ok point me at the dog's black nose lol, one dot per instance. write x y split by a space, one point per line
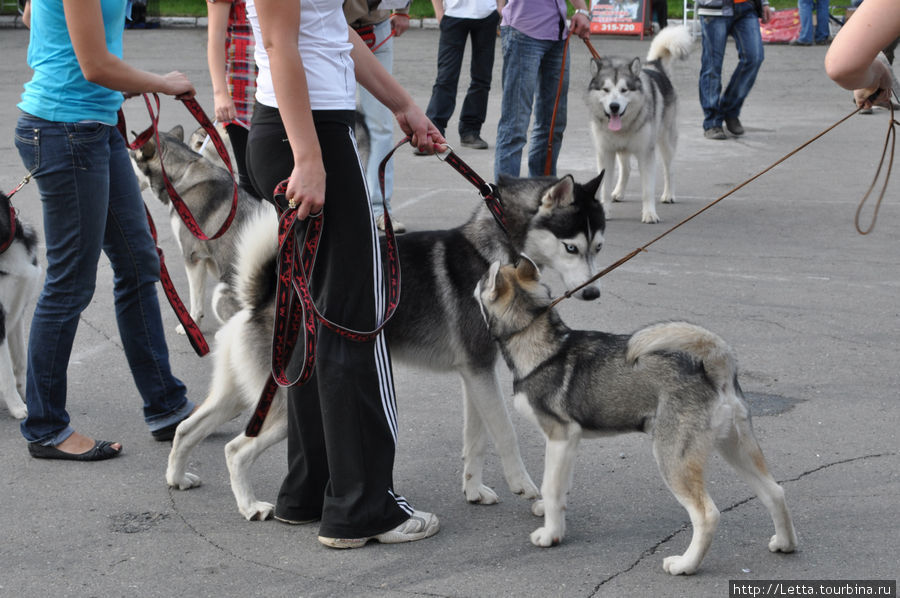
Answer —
590 293
614 108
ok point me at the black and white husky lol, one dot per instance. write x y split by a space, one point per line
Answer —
675 381
20 276
632 107
437 325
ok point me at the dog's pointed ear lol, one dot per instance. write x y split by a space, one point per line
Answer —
148 150
560 194
593 185
495 283
595 66
178 132
636 67
527 270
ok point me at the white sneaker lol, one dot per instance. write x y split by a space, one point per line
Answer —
399 227
419 526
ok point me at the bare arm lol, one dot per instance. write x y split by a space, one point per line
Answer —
217 34
373 76
85 23
438 6
850 61
279 21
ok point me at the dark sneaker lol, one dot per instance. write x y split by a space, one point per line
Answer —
473 140
734 126
797 42
715 133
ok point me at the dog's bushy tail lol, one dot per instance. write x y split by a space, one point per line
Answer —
257 247
671 42
709 348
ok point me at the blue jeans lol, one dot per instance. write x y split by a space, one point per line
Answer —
806 21
92 202
531 69
380 122
451 47
744 27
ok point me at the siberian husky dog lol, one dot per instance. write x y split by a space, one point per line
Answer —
675 381
632 107
437 325
20 276
207 190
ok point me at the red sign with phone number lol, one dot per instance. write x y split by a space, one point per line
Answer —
619 17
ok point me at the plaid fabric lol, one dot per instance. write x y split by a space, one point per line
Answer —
241 66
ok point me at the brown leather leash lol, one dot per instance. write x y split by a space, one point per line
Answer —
195 336
643 248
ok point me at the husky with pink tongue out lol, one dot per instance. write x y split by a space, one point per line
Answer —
632 106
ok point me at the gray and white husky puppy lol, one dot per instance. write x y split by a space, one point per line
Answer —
20 277
675 381
437 325
207 191
633 111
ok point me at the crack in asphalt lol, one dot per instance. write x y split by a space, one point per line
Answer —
687 525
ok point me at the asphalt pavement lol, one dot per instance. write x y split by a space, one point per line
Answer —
778 269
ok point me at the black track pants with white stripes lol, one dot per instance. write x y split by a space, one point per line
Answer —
342 425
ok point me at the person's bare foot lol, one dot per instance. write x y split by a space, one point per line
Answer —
77 444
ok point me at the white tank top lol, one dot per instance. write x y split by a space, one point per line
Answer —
325 49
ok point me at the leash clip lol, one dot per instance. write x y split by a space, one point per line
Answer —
442 156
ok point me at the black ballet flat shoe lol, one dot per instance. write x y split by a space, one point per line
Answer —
101 451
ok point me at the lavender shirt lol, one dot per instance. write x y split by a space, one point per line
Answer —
540 19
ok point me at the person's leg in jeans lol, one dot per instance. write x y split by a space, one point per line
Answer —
715 35
521 63
545 105
805 10
823 30
135 263
451 46
380 122
483 33
748 40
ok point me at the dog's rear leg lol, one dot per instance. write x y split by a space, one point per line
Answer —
242 452
666 153
742 451
485 410
682 464
559 468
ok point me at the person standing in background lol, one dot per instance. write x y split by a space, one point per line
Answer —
459 20
532 37
378 27
820 34
229 54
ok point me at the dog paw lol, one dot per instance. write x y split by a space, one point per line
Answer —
678 565
185 482
258 511
481 495
779 544
525 488
545 537
537 508
18 410
618 195
649 217
667 198
180 329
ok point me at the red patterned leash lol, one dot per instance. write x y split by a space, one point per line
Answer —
292 292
